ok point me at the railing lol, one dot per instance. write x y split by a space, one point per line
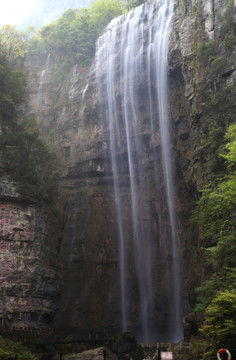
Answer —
29 335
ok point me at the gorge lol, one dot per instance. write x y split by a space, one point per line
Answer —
130 130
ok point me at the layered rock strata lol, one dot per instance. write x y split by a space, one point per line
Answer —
29 281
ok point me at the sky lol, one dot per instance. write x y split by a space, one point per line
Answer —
15 11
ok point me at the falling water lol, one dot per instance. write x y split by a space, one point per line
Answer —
131 77
43 79
73 89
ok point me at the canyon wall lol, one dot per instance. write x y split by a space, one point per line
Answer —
202 81
29 280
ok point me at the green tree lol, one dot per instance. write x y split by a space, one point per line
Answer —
230 156
103 11
216 214
216 208
58 31
220 323
26 157
28 33
13 93
81 37
29 162
9 348
76 31
11 43
130 4
220 281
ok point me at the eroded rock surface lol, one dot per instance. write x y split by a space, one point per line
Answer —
29 279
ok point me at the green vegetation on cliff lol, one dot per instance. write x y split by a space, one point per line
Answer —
12 81
8 350
218 202
76 31
216 298
28 160
25 155
217 218
12 43
12 93
214 66
214 63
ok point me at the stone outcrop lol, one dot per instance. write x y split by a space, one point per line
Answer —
94 354
121 347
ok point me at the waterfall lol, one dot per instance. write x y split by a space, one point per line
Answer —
131 78
43 79
73 89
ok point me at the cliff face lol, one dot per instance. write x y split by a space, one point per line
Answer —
29 279
199 71
63 98
202 82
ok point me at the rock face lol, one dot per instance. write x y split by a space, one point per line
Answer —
198 75
67 111
29 282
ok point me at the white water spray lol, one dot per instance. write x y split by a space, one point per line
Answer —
131 69
43 79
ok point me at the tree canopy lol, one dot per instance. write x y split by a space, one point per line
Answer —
9 347
77 30
11 43
26 157
216 214
12 93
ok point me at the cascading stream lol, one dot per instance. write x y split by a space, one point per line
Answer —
131 77
43 79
